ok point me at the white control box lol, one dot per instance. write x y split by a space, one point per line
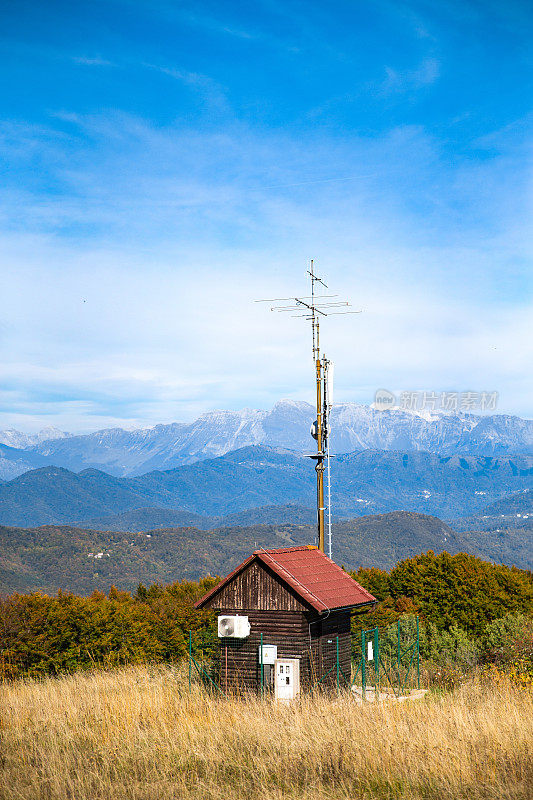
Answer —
270 653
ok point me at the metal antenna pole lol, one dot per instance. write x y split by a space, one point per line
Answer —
312 311
320 417
328 479
327 410
319 466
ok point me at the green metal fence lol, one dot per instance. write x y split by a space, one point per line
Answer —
197 670
341 679
389 659
386 659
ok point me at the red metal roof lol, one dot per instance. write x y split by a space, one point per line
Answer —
315 578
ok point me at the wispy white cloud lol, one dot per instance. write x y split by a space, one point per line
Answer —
117 341
425 74
220 26
92 61
210 90
229 24
128 296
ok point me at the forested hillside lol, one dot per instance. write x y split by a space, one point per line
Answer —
457 597
512 511
364 482
81 560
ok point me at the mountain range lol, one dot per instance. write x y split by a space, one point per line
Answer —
76 559
22 441
182 500
354 427
142 519
15 462
364 482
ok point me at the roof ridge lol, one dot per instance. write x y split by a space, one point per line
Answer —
286 549
301 568
284 569
311 547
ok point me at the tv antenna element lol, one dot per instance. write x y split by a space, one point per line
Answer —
312 307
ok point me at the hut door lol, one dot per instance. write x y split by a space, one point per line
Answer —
287 682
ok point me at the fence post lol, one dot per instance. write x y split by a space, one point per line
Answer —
262 679
190 659
338 665
363 665
418 650
398 656
376 659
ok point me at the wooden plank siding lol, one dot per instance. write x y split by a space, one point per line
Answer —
337 624
297 635
298 631
288 630
256 587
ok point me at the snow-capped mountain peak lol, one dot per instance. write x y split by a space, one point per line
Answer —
14 438
287 426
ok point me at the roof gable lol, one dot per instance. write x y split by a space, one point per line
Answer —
255 587
312 578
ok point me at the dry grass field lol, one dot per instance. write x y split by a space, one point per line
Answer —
138 734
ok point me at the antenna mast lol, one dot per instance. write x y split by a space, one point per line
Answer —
312 308
320 428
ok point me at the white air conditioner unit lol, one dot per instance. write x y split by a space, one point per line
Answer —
233 627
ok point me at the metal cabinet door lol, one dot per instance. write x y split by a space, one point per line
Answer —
287 680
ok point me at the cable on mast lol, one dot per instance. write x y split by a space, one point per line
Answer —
328 403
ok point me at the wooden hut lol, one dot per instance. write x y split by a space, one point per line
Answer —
298 603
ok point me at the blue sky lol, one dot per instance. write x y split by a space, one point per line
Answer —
165 164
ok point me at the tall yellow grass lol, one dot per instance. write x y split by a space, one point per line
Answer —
137 734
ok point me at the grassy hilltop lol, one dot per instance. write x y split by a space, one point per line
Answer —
139 734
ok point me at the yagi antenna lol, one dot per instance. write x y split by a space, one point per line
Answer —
312 307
